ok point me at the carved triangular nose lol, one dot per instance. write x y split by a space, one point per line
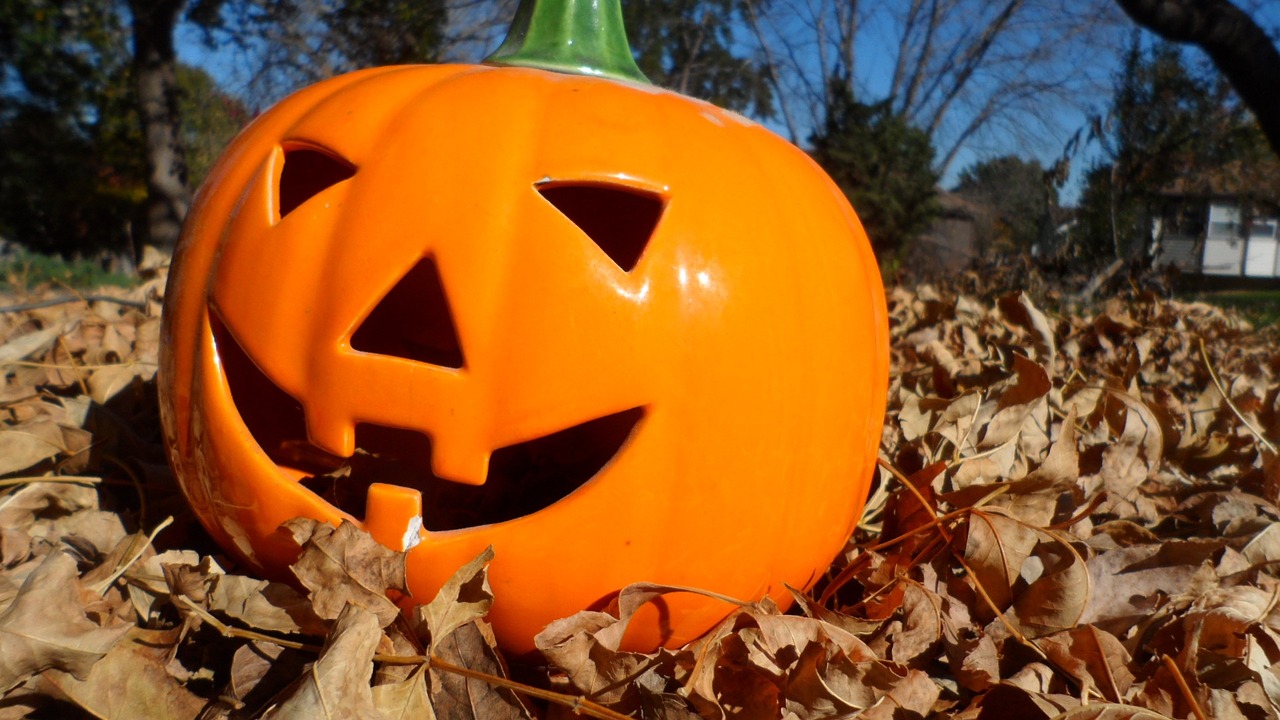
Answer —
413 321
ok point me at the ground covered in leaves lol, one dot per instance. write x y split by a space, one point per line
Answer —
1076 517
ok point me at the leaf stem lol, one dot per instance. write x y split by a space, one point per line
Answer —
102 586
1183 687
577 704
31 479
1213 375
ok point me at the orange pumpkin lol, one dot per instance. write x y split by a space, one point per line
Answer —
618 334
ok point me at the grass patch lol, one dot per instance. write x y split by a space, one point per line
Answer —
1259 307
28 270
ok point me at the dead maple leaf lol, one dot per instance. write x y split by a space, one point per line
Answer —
337 684
130 681
464 598
344 565
456 697
1094 658
45 626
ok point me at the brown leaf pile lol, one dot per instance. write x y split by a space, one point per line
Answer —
1076 517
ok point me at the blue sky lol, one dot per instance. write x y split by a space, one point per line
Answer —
875 53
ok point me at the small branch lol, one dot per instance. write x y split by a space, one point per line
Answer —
1213 375
1183 687
234 632
75 479
67 299
101 587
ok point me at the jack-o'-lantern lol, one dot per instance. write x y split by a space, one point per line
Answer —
615 333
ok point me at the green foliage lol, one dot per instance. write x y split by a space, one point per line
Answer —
73 170
688 46
28 270
1171 128
1019 197
884 166
68 176
1259 307
210 119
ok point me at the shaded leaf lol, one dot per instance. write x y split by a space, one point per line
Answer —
337 684
45 627
346 565
464 598
455 697
130 681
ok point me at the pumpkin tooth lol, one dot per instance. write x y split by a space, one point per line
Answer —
393 515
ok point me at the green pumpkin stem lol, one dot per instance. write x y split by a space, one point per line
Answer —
581 37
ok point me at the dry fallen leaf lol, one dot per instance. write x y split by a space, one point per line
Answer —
464 598
45 626
343 565
1066 498
337 684
130 681
1106 711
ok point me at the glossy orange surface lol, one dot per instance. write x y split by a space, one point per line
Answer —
453 278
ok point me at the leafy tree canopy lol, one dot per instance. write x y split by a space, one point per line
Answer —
885 167
1015 192
687 45
72 176
387 32
69 173
1170 127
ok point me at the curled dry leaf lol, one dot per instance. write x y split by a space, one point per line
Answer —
464 598
29 444
263 605
46 627
336 687
344 565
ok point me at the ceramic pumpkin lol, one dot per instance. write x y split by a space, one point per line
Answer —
615 333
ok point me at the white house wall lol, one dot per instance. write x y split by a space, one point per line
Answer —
1260 256
1225 247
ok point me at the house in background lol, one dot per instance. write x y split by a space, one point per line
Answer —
951 244
1222 224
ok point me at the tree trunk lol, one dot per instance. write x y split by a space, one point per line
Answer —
155 67
1240 49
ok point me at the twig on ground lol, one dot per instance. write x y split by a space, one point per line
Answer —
67 299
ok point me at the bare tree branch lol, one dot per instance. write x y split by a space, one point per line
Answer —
973 59
1238 46
771 67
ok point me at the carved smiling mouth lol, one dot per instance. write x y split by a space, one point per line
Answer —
522 478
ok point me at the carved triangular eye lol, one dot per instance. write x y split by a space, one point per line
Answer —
413 321
620 220
306 172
